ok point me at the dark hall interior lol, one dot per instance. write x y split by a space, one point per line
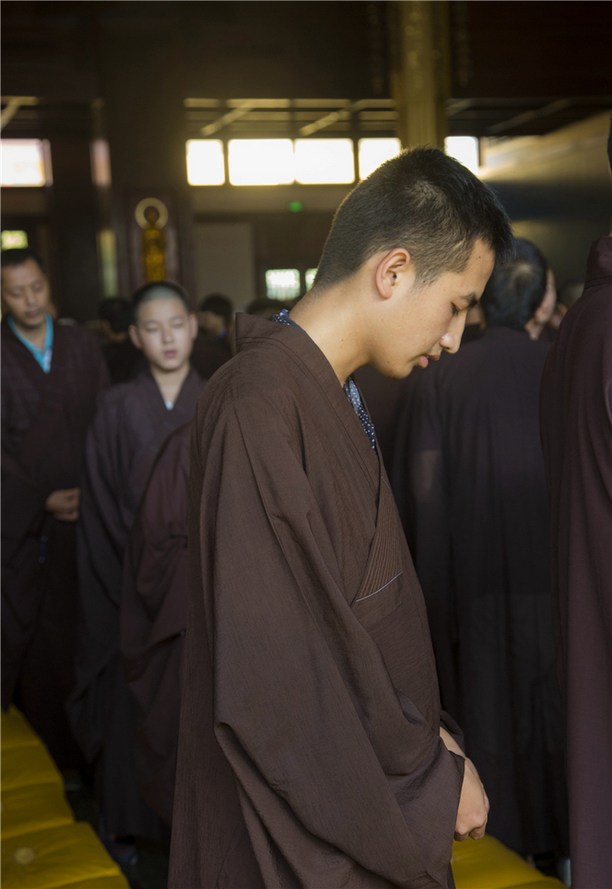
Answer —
115 89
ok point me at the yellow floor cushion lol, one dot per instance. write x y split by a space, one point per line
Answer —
33 807
118 882
15 730
57 857
488 864
542 883
22 766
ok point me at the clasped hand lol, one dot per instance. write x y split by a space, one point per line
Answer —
64 504
473 811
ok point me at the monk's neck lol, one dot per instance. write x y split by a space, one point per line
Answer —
331 319
170 382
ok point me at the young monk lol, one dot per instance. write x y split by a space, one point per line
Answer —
312 749
132 422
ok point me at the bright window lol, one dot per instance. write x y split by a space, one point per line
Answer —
465 150
12 239
324 161
205 164
374 152
282 284
24 162
100 163
260 161
284 161
309 277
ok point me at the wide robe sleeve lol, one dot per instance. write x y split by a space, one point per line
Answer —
100 543
341 780
153 620
23 506
23 518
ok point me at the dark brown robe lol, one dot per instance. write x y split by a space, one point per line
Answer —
548 334
576 417
209 353
130 426
44 423
472 488
123 359
154 617
309 748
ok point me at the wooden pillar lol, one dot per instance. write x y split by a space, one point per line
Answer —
73 219
420 70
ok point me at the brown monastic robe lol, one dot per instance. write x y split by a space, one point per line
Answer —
309 748
576 423
153 619
44 423
209 353
130 426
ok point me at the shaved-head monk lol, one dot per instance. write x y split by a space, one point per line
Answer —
312 747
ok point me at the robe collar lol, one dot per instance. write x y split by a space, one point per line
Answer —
43 357
350 387
252 331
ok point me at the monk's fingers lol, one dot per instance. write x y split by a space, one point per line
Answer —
70 515
478 833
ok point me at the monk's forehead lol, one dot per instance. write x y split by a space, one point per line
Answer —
157 296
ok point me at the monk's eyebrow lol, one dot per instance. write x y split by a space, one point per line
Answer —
471 300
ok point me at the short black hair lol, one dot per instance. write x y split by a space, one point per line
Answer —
159 290
15 256
516 288
117 310
421 200
218 304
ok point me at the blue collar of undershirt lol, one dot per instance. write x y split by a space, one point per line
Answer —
43 356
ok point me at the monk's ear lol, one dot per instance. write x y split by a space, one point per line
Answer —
135 336
392 268
193 325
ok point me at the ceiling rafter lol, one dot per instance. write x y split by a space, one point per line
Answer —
12 105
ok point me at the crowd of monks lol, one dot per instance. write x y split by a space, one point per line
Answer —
96 444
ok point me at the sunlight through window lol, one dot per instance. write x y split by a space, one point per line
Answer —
12 239
22 162
282 284
305 161
260 161
324 161
205 165
374 152
465 150
309 277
